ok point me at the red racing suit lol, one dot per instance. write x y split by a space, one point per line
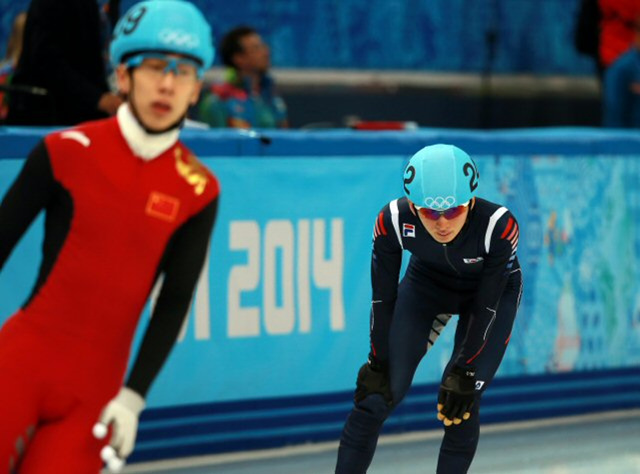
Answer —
114 223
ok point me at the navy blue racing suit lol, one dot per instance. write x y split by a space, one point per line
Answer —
477 276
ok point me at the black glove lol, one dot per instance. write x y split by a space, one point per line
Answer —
373 377
457 394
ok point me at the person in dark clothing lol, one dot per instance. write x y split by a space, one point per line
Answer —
586 35
60 78
8 64
463 261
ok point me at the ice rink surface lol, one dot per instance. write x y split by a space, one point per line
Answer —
606 443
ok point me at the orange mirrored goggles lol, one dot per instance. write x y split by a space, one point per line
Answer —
434 215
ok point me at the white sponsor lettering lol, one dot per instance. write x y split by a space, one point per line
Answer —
244 321
290 258
77 136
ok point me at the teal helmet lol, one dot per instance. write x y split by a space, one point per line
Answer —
440 177
164 26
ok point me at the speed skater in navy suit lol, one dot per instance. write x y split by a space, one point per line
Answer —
463 261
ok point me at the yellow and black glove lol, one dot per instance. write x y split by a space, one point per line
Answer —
456 396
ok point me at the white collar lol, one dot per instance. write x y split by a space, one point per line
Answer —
144 144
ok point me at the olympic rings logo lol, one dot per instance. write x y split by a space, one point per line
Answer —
179 38
440 202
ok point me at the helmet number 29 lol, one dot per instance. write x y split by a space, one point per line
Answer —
470 169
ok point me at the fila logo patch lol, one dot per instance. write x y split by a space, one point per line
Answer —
162 206
408 230
473 260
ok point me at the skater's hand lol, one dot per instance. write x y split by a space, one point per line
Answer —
373 377
121 414
456 396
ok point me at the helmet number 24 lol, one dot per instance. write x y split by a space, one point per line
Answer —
411 171
470 169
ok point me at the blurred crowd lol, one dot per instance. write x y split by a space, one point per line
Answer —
55 70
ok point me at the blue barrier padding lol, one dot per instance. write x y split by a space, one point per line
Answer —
554 141
18 141
256 424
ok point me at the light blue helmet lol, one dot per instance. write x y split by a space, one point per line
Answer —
167 26
440 177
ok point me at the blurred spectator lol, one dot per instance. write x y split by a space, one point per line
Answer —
587 32
111 11
109 15
616 28
10 61
62 54
622 87
246 99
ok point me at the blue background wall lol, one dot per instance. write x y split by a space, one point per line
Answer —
430 35
279 325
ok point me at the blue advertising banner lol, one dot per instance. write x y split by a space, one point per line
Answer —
288 278
282 307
